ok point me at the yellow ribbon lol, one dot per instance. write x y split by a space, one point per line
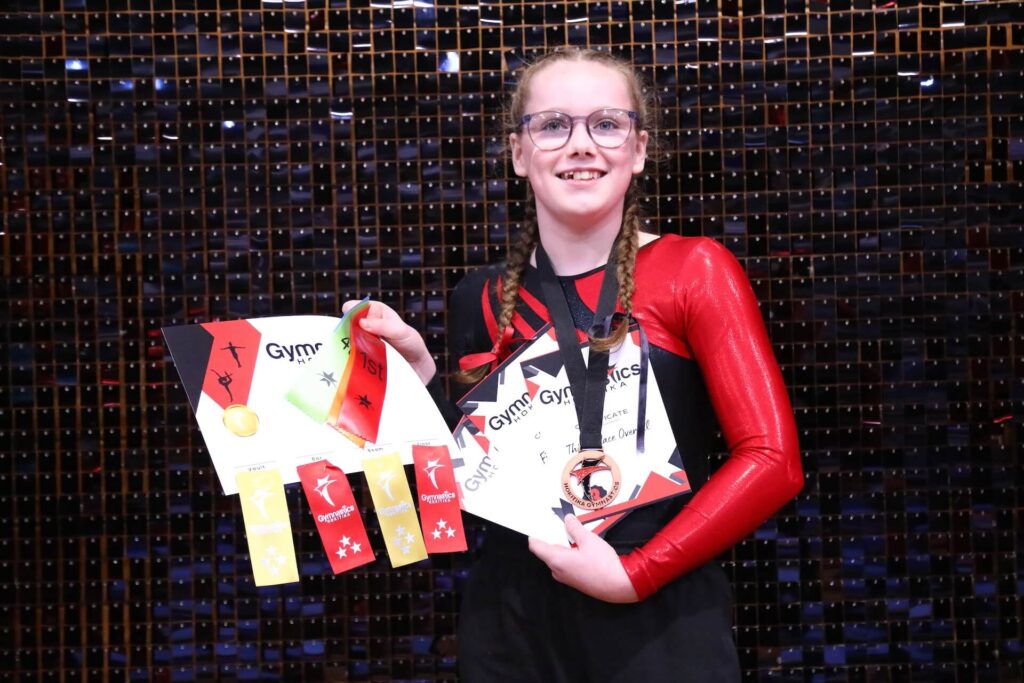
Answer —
396 512
265 513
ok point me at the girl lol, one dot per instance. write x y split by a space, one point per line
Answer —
646 602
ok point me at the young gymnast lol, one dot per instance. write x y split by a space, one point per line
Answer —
647 602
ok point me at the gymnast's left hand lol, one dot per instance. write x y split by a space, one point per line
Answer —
592 567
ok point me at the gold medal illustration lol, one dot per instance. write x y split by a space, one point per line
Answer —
241 420
591 480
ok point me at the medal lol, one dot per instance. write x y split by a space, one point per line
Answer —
591 480
240 420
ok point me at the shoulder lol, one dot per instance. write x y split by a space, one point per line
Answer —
685 257
472 285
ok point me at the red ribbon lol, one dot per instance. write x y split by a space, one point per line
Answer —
440 512
364 395
498 352
336 514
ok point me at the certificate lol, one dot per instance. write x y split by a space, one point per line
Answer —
521 467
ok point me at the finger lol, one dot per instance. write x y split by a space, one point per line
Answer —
345 307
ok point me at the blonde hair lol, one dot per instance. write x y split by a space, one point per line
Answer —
629 237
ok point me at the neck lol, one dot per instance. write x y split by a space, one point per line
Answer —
575 249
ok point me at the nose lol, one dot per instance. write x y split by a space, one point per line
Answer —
580 141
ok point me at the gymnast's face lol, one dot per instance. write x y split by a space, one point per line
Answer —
581 183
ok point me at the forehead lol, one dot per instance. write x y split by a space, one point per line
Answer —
578 87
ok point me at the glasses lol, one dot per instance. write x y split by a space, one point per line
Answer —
550 130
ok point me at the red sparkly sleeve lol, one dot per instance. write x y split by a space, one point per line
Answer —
726 335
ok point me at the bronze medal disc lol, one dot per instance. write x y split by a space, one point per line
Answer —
591 480
240 420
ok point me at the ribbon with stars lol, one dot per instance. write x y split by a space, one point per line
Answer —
267 527
440 513
395 510
336 514
359 414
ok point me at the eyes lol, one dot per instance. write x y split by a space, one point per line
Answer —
563 123
550 130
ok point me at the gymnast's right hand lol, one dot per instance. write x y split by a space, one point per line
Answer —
383 321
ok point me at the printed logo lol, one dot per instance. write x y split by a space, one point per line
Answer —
384 482
321 487
293 353
259 499
431 470
591 480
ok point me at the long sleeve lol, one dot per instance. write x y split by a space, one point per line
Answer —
727 338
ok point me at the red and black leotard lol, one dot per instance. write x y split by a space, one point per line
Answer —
713 360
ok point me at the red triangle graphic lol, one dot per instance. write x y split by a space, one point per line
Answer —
533 388
479 421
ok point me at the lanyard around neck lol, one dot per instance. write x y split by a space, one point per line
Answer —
586 381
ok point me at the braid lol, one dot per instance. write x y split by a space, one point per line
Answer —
518 256
625 263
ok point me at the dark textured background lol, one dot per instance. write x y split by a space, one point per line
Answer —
172 161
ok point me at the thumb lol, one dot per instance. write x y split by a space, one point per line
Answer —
541 549
578 533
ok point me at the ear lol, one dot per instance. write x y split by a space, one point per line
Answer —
640 152
518 157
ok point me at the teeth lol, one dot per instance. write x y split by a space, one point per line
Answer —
581 175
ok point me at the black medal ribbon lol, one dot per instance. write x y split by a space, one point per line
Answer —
587 381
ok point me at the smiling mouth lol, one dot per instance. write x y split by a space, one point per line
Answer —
581 175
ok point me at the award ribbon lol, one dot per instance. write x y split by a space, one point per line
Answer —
336 515
230 368
587 384
396 512
323 377
267 527
440 513
360 410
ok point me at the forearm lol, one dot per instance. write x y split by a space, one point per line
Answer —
745 491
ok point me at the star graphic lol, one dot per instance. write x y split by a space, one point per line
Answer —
431 469
328 378
409 538
364 401
345 541
321 487
405 549
342 553
357 547
441 524
450 531
436 533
